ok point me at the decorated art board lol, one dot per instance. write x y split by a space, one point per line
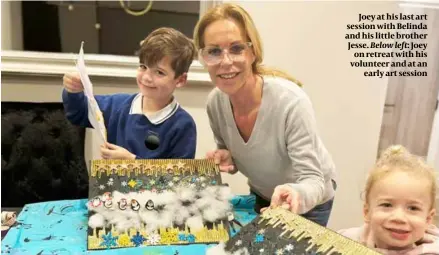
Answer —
156 202
278 231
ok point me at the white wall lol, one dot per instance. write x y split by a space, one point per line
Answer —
433 151
12 38
307 40
433 155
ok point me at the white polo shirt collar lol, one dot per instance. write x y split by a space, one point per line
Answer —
157 117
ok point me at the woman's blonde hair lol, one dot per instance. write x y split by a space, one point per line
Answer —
243 19
398 158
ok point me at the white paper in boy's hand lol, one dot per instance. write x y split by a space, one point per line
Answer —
94 113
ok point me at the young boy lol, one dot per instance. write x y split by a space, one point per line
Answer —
150 124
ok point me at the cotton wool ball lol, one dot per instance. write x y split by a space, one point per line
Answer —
151 227
221 207
117 219
117 196
148 217
96 221
211 191
193 209
195 223
181 215
220 250
166 198
131 195
217 250
206 199
151 219
123 224
111 215
165 219
211 214
186 194
104 212
225 193
242 251
136 221
203 202
142 198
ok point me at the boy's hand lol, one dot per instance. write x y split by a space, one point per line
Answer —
223 159
72 82
111 151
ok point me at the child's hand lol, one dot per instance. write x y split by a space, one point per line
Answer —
111 151
429 244
72 83
223 159
286 197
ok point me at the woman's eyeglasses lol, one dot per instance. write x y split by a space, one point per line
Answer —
213 55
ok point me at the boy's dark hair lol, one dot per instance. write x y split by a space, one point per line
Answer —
168 42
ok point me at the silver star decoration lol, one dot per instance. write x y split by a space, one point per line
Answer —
289 247
279 252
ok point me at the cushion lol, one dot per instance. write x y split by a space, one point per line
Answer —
42 155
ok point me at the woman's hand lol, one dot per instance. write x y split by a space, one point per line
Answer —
286 197
223 158
72 82
111 151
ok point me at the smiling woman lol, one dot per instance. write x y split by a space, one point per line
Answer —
250 100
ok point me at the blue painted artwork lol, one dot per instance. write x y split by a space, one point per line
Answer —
60 228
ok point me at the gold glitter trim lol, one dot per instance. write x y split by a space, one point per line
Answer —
153 167
168 236
298 227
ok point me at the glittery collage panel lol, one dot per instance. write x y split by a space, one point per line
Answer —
278 231
156 202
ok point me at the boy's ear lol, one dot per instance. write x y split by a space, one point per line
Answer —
181 80
430 216
366 213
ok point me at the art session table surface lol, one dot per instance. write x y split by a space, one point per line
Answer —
60 228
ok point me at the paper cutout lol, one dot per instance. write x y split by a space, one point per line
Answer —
94 113
156 202
278 231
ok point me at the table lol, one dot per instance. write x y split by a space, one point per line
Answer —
59 228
